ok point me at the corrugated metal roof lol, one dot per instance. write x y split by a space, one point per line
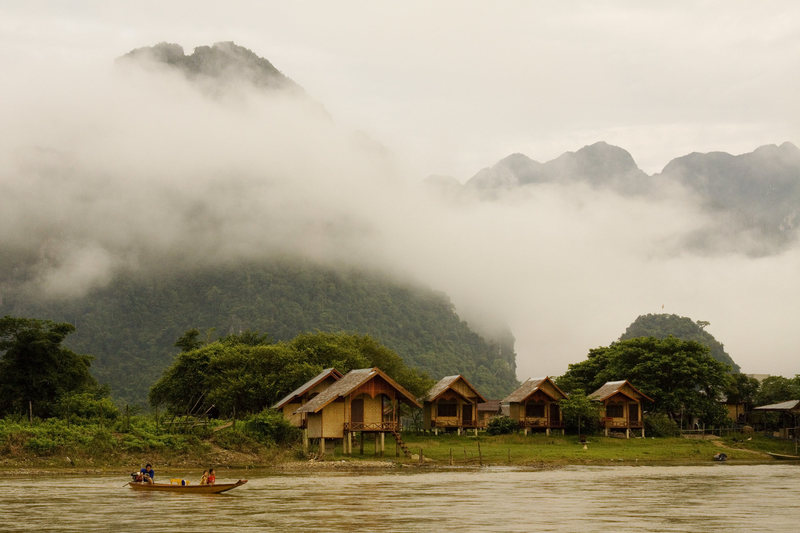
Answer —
347 384
530 386
310 384
445 383
782 406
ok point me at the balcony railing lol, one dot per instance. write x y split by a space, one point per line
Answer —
623 424
540 423
376 426
455 423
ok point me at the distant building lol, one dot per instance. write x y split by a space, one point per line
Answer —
452 403
622 407
789 412
488 410
534 405
305 392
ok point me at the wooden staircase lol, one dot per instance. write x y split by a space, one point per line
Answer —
400 443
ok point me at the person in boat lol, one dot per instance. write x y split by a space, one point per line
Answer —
204 479
212 477
147 473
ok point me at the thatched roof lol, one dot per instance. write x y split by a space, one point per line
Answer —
610 388
530 386
308 385
490 406
350 382
446 383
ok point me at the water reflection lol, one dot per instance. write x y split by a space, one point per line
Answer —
714 498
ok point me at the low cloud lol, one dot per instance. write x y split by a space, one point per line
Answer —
128 169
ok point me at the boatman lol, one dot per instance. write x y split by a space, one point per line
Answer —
148 474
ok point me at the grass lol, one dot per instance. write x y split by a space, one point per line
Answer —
542 450
53 443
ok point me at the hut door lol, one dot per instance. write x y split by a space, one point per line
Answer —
357 411
633 412
466 414
554 413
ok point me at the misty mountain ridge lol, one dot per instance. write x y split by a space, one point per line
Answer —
754 197
225 61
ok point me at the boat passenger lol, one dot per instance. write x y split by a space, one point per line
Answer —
148 474
204 479
212 478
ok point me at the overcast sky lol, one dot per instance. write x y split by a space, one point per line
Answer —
451 87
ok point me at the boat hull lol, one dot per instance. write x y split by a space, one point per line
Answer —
186 489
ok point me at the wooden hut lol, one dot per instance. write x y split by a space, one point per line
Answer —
535 405
622 407
451 404
488 410
364 401
305 392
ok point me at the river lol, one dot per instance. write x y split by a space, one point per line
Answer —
722 497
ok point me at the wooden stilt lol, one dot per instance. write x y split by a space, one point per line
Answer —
361 445
305 440
383 443
322 447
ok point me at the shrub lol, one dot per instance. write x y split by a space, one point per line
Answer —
501 425
660 425
270 427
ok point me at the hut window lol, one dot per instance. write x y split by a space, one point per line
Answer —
447 409
534 410
614 410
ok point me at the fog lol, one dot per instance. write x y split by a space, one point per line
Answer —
106 169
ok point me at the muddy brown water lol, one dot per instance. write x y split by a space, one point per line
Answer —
721 497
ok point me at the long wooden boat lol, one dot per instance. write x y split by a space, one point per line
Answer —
784 457
186 489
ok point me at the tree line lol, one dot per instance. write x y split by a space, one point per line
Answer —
246 373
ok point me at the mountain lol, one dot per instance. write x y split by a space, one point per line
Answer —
131 325
599 164
661 326
753 198
222 61
757 192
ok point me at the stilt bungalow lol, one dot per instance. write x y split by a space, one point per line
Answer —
535 405
451 404
305 392
363 402
622 407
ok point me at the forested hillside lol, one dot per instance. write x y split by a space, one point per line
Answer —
662 326
131 325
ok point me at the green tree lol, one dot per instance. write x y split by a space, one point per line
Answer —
739 388
662 326
680 376
579 412
36 368
230 376
776 389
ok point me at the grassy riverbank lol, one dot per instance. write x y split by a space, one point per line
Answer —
56 445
